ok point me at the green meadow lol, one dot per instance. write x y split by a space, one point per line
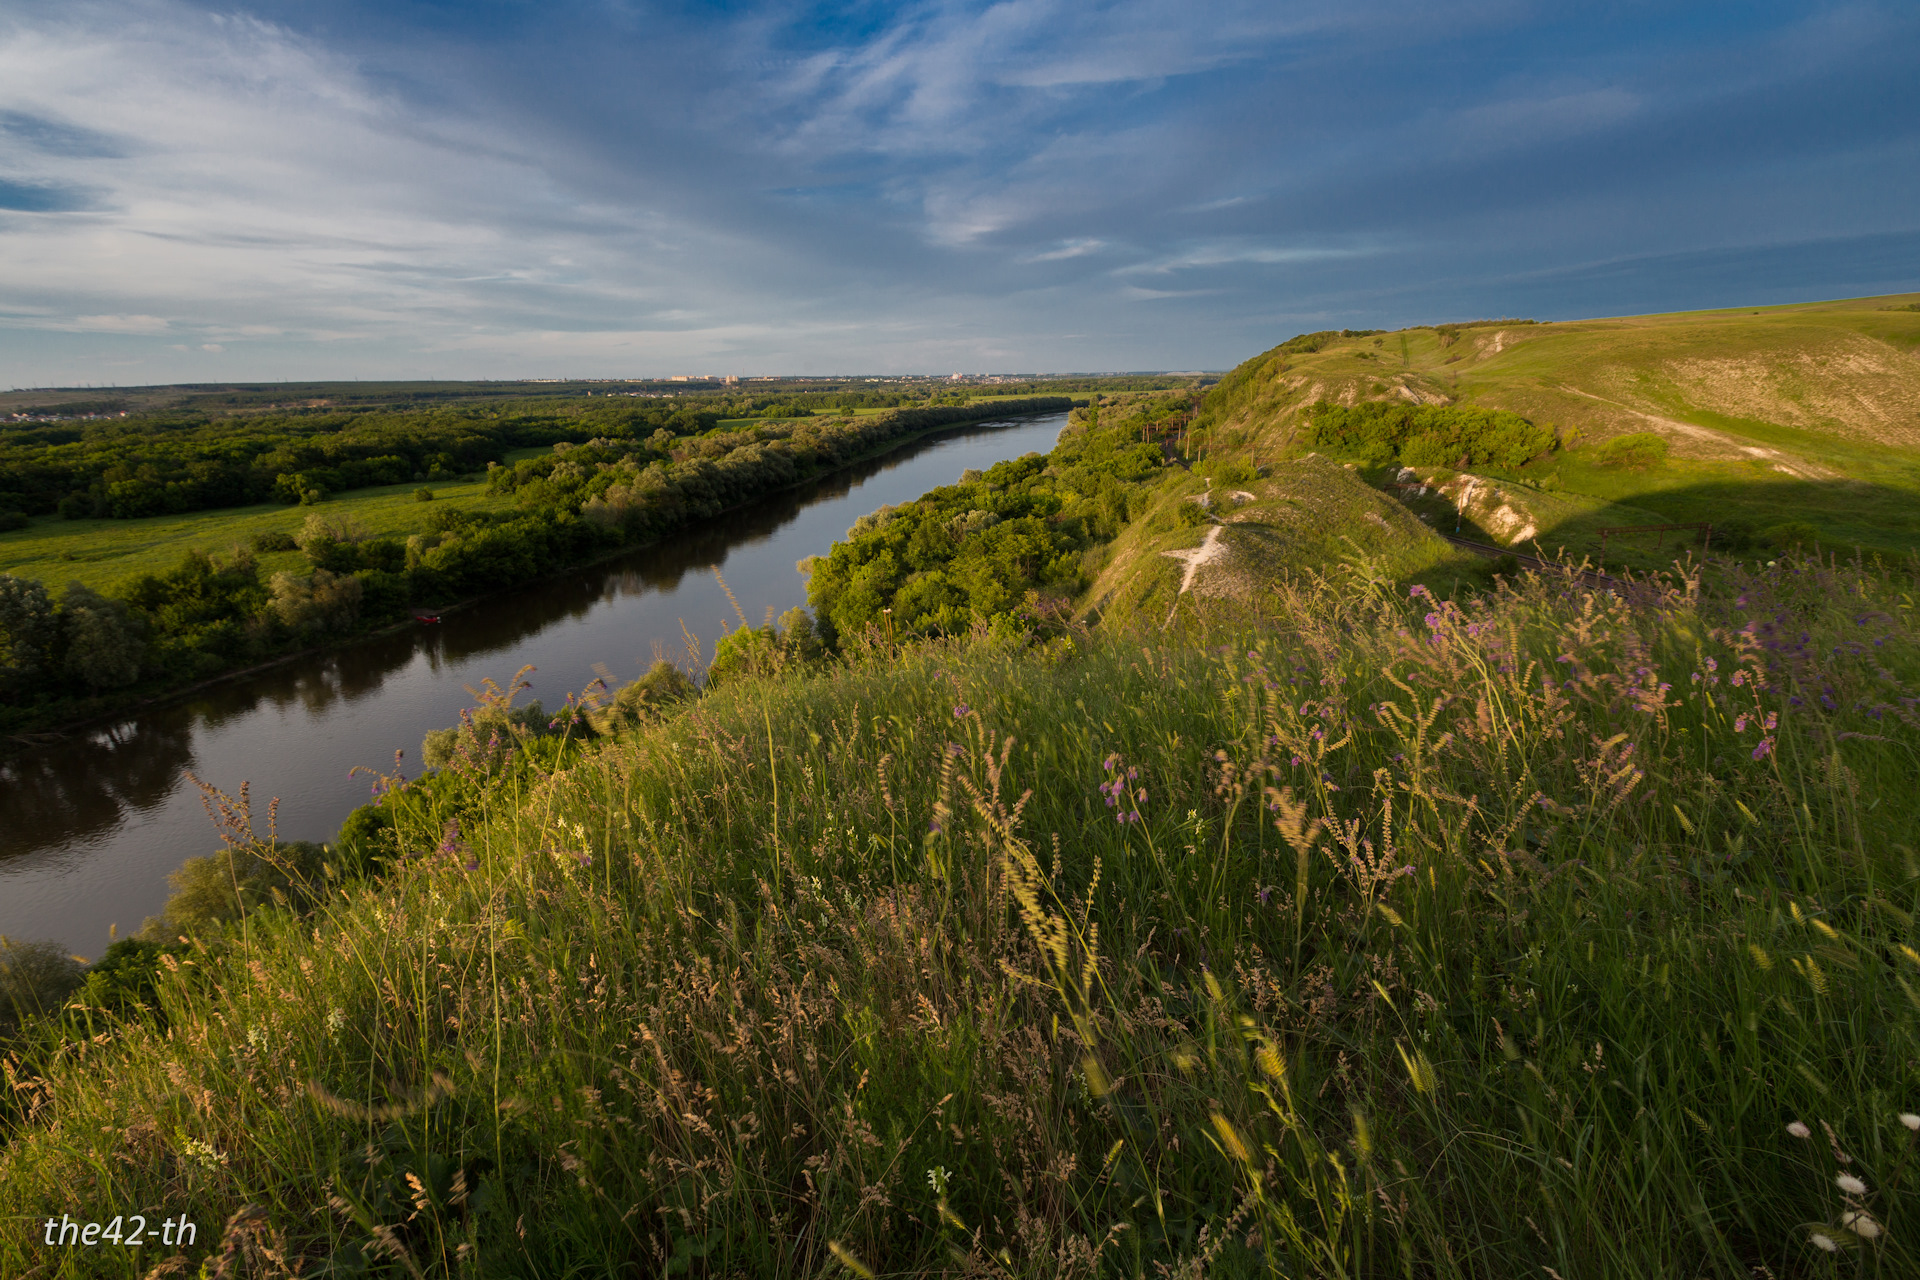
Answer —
107 554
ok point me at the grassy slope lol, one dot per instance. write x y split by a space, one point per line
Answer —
1303 514
1807 412
1411 960
1454 940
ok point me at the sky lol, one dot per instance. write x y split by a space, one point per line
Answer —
612 188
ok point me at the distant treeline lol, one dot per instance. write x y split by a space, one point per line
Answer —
168 464
580 501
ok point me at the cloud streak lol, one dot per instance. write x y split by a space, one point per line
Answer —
188 192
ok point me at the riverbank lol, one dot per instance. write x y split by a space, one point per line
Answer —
961 955
32 726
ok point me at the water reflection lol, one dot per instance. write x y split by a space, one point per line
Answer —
90 825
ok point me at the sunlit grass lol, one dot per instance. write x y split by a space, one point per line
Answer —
1505 937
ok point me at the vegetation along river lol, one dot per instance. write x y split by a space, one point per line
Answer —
90 826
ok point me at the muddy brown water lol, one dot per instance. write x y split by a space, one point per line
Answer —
90 826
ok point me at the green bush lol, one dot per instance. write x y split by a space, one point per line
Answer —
11 520
35 980
1790 534
652 695
1427 435
1638 451
274 540
209 891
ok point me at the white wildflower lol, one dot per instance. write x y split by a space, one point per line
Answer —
257 1038
1799 1130
203 1154
1910 1120
937 1179
1824 1243
336 1019
1861 1224
1850 1184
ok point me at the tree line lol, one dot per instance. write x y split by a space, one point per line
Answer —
997 545
66 653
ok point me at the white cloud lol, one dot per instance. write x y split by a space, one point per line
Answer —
118 324
1071 249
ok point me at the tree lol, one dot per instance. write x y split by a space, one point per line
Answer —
104 644
324 602
28 629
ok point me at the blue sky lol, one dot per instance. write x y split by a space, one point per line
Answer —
614 188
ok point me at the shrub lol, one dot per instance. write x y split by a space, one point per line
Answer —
223 886
273 540
647 698
1427 435
484 737
1790 534
423 495
35 980
11 520
1635 452
123 978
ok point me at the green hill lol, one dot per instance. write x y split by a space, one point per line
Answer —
1796 414
1111 883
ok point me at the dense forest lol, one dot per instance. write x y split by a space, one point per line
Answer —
616 487
1001 542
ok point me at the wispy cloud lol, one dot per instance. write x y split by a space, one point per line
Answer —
413 187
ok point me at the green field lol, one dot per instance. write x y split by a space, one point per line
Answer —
107 554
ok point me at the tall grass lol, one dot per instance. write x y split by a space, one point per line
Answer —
1518 936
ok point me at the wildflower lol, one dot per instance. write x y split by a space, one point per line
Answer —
203 1154
1910 1120
937 1178
1824 1243
1862 1225
1799 1130
1417 590
1740 724
336 1019
1850 1184
961 711
1764 750
256 1038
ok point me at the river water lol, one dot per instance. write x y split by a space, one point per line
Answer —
90 827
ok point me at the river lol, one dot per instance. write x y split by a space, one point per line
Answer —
90 826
